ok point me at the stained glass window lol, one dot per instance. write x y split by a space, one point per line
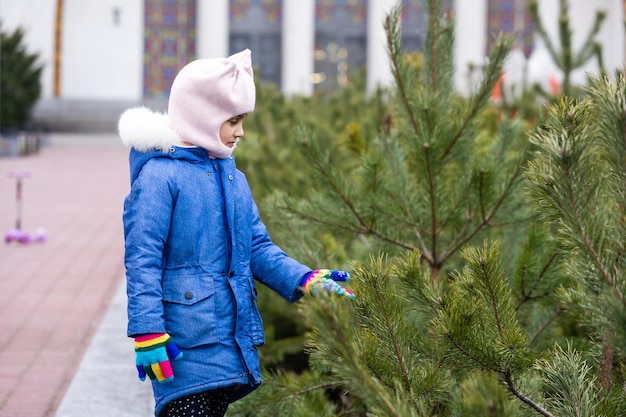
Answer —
511 16
169 43
270 11
350 12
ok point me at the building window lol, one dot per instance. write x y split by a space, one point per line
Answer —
340 42
257 25
169 43
511 16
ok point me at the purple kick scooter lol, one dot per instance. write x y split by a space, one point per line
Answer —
17 234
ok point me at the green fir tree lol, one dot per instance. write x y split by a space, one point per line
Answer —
579 185
443 173
487 292
563 55
20 80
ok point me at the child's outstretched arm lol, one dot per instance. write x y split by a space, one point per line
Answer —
274 268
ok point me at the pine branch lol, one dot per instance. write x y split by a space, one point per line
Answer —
567 375
496 60
526 400
527 295
565 37
436 264
392 31
389 321
410 223
584 234
606 365
330 179
433 30
346 228
533 7
479 321
401 199
493 297
474 358
505 373
462 239
334 337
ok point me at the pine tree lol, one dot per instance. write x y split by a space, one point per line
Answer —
579 184
469 309
443 173
565 58
446 170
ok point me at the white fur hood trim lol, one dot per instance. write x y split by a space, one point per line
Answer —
144 129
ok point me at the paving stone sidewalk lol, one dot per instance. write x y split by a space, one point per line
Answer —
63 350
106 383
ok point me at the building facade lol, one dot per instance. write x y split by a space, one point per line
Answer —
130 50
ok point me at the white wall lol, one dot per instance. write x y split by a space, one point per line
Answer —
101 59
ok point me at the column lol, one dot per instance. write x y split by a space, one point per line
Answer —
378 65
298 44
470 40
212 28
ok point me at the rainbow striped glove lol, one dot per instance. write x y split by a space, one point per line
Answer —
325 280
153 353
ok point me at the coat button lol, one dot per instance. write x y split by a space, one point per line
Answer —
230 177
188 295
223 273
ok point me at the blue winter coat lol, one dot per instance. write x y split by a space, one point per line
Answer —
194 246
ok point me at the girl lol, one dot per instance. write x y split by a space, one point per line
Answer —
194 244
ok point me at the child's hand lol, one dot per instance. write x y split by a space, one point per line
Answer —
153 353
324 280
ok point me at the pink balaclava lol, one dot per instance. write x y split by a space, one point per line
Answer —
208 92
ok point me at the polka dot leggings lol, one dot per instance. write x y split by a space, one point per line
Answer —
205 404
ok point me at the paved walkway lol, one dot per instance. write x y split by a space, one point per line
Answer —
63 350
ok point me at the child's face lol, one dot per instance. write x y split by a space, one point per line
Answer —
231 130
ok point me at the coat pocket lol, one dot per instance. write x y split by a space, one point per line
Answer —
189 309
256 322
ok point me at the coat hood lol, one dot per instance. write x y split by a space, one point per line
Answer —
148 135
145 130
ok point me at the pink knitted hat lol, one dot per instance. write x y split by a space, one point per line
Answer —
208 92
